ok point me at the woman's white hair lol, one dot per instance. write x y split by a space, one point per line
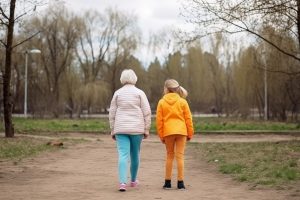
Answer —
128 77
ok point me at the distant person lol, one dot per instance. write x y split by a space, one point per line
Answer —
174 127
130 119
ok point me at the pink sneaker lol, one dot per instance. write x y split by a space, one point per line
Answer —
122 187
134 183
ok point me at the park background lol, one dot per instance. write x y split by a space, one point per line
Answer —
80 56
239 62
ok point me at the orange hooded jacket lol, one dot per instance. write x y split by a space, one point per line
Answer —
173 116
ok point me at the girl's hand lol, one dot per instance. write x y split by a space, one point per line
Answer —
188 139
162 141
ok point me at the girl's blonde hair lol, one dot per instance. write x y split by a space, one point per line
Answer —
171 85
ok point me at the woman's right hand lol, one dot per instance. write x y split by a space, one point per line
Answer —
113 137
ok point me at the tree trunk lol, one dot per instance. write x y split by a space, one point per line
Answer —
7 98
298 22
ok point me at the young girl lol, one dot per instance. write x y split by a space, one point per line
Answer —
174 127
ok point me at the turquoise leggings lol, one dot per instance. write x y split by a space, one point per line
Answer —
128 145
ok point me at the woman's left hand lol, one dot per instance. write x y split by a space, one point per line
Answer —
146 134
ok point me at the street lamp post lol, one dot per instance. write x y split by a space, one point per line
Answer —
265 84
32 51
266 94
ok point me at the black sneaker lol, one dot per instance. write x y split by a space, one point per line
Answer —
167 184
180 185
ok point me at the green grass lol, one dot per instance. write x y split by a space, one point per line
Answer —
272 164
59 125
18 148
22 147
229 124
101 125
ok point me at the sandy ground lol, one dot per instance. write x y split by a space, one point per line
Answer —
88 171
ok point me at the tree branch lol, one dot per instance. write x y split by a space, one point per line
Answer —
3 43
278 71
26 39
264 67
252 32
3 22
3 13
18 17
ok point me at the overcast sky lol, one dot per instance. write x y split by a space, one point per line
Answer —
153 15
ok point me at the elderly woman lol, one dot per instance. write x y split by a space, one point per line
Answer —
130 119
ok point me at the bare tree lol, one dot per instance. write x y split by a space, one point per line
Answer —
94 43
235 16
247 81
174 66
8 20
283 83
156 79
197 80
126 37
60 31
107 42
216 81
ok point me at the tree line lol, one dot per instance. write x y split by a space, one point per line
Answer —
82 57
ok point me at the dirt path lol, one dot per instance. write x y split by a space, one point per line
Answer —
88 171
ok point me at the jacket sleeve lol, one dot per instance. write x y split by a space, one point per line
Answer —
188 120
159 121
145 106
112 112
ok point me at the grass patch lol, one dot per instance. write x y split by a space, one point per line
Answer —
228 124
101 125
18 148
265 163
60 125
22 147
231 168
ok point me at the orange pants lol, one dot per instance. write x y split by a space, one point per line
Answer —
175 145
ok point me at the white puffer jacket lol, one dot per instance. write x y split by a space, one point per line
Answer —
129 111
